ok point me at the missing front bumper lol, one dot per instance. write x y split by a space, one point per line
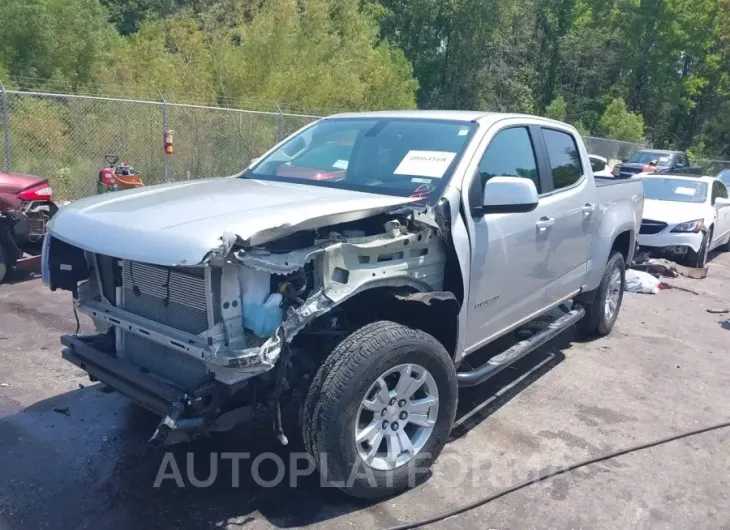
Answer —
187 413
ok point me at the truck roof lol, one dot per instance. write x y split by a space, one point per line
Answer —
449 115
660 151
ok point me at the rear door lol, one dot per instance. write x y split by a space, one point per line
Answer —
571 208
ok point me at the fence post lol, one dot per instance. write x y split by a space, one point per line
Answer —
164 130
279 124
6 129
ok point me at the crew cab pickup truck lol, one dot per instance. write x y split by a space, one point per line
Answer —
656 161
348 306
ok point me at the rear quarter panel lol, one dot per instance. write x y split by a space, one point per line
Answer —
620 206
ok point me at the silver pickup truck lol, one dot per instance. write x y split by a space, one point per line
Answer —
339 284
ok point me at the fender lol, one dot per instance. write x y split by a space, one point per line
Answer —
619 218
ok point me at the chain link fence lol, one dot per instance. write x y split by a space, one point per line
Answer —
65 138
612 150
615 151
711 166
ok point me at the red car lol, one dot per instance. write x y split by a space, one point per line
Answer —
26 206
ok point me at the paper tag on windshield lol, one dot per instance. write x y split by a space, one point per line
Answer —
425 163
663 159
340 164
684 191
464 131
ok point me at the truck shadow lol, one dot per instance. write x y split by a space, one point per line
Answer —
88 449
477 403
22 275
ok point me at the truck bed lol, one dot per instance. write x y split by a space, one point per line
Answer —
609 181
621 194
611 190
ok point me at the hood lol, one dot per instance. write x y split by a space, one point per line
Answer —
175 224
15 182
672 212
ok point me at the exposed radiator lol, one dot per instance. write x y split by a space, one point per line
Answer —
175 297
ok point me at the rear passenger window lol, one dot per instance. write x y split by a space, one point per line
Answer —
510 154
564 158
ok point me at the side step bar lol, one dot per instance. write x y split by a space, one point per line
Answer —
499 362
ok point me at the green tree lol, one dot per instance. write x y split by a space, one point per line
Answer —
62 40
325 55
558 109
618 123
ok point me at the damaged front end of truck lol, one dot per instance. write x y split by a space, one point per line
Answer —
237 335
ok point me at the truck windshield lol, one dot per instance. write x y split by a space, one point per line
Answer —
679 190
403 157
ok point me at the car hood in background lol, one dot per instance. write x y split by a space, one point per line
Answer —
182 223
672 212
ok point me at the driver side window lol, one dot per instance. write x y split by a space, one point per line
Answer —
510 154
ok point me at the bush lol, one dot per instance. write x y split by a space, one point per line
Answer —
620 124
557 110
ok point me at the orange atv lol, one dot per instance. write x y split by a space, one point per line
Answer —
116 176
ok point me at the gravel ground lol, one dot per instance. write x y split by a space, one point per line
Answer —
75 456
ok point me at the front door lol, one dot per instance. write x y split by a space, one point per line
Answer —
722 217
507 249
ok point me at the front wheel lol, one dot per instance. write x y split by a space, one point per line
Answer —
603 310
699 259
380 410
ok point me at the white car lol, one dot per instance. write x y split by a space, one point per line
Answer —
600 166
684 217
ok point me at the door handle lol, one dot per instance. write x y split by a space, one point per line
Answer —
544 223
588 209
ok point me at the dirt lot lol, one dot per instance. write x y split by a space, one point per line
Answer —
73 457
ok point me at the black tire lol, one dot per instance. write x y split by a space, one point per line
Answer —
699 259
4 262
333 400
597 322
8 251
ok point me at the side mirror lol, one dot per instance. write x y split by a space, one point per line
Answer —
509 195
254 160
597 165
722 201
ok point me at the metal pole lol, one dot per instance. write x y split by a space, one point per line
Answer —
6 129
164 129
279 124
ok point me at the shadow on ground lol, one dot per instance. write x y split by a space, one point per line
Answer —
89 451
22 275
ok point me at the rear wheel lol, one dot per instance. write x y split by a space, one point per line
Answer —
380 409
603 310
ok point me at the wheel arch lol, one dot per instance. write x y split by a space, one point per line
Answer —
408 302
